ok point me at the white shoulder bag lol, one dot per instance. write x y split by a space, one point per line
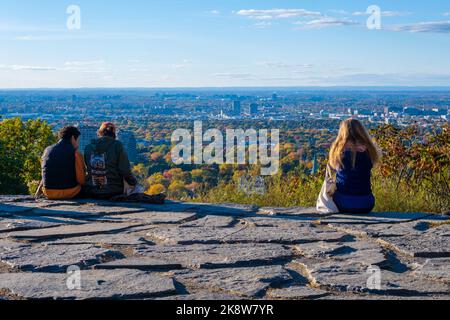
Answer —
325 203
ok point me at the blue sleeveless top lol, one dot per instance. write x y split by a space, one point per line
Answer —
355 181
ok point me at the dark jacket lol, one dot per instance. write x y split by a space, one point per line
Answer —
108 166
355 181
58 166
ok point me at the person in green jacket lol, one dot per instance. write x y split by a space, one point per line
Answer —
107 165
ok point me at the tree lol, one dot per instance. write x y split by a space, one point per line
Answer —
22 145
156 189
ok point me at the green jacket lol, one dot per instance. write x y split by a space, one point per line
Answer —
108 166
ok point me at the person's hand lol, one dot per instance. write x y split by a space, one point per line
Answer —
130 190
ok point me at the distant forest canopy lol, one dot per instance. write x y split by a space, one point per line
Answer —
414 174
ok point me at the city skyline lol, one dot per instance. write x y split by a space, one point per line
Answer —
164 44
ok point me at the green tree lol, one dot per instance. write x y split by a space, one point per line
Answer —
22 144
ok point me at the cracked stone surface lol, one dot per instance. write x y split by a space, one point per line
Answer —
217 256
195 251
98 284
55 258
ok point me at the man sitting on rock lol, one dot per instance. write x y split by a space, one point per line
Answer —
63 169
107 165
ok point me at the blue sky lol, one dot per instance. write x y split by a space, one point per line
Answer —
211 43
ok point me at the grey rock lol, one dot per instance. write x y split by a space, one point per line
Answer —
244 282
298 212
132 250
140 263
203 208
98 284
211 222
374 218
79 211
55 258
297 293
362 252
341 276
148 217
244 234
121 239
427 245
18 198
69 231
9 225
8 245
435 269
219 256
203 295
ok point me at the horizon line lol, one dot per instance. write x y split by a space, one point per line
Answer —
443 87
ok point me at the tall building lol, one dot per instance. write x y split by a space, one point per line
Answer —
129 142
253 110
236 107
88 133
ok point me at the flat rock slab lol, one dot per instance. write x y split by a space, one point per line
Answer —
148 217
244 282
56 258
10 225
297 293
244 234
298 212
219 256
431 244
11 198
211 222
435 269
95 284
374 218
201 296
120 239
362 252
79 211
8 245
17 208
347 276
141 263
237 210
69 231
217 251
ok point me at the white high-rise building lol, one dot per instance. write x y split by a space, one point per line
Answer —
88 133
129 142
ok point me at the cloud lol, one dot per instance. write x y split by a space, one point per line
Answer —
325 22
214 12
262 24
184 64
241 76
282 65
424 27
336 11
446 14
16 67
84 63
384 13
278 13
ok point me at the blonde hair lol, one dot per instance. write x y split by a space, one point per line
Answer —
353 133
